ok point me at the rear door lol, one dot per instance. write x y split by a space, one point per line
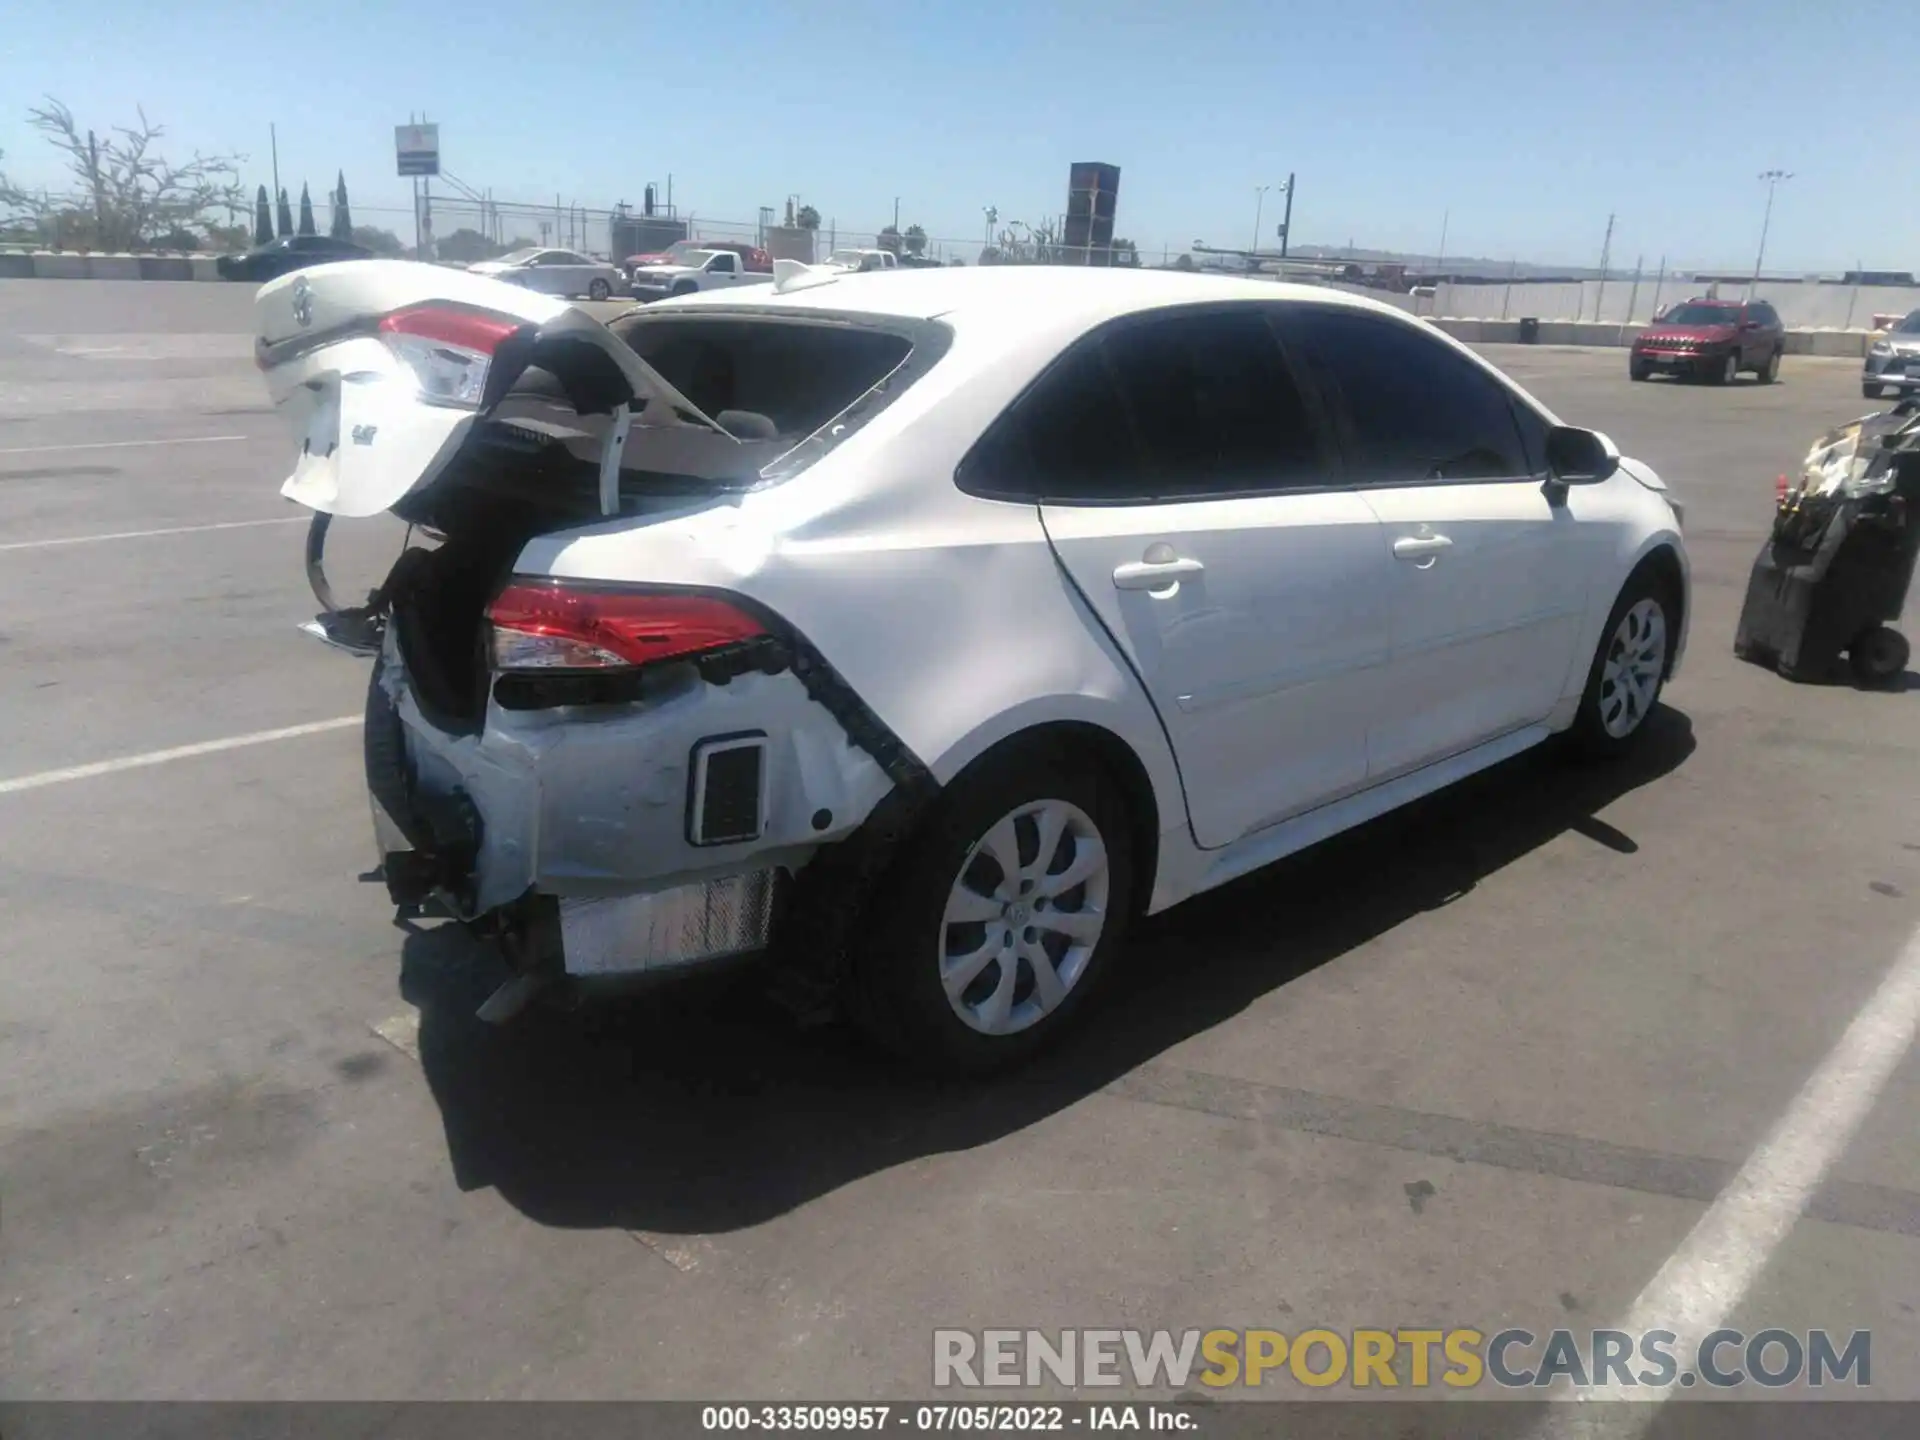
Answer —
1490 577
1191 496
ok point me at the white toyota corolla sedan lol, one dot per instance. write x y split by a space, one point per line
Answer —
922 629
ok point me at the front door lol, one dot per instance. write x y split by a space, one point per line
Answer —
1490 581
1192 496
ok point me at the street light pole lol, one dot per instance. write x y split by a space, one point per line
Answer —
1773 179
1259 202
1286 222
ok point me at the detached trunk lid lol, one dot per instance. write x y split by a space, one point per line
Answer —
385 369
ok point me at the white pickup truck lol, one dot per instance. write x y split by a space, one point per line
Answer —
696 270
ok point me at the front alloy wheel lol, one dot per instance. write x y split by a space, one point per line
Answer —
1629 668
1024 916
1730 368
1632 668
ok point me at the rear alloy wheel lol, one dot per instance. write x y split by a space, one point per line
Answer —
599 290
1770 371
1729 369
1629 669
996 923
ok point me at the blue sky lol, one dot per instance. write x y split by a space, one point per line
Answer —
1523 124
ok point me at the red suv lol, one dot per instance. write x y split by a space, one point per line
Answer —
1712 340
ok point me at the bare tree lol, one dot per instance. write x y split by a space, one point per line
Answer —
135 194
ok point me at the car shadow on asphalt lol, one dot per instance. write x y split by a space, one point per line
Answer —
701 1107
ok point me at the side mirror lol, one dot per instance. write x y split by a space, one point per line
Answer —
1580 457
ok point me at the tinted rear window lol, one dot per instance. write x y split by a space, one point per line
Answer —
796 376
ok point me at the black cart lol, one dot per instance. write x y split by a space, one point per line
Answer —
1834 574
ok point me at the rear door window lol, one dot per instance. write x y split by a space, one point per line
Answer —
1069 438
1415 410
1169 408
1216 411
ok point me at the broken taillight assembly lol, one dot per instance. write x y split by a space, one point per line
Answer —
449 351
544 625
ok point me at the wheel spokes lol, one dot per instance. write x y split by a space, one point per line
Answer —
1082 926
1089 859
1048 991
960 971
967 906
995 1009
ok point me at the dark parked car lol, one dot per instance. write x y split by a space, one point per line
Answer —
1712 340
1893 361
288 253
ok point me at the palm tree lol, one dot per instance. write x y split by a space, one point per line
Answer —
916 239
807 218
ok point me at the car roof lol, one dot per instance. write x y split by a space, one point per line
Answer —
964 293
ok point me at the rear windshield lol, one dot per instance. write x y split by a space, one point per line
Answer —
766 379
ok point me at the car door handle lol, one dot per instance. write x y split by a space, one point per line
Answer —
1153 575
1420 547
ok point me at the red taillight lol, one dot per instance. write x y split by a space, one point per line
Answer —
450 352
540 625
466 329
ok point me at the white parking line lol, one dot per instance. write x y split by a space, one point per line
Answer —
121 444
149 534
178 752
1705 1280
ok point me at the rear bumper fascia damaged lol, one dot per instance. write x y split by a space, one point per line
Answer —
568 830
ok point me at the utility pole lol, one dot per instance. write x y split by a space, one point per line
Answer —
896 214
1259 200
1440 262
273 139
1286 221
1606 250
1773 179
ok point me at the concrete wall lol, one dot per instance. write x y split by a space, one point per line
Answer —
79 265
1803 307
1850 344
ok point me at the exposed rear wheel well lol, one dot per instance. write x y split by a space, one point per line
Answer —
1663 566
1122 769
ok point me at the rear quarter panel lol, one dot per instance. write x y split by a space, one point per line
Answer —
947 614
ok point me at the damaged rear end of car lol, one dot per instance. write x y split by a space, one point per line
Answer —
620 767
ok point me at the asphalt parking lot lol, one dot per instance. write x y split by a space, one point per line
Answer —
1487 1063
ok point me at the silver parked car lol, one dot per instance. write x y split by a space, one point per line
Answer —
1893 361
555 272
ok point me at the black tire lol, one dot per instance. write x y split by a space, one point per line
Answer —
686 287
1769 371
1726 369
1589 735
1879 656
896 993
1638 370
599 290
